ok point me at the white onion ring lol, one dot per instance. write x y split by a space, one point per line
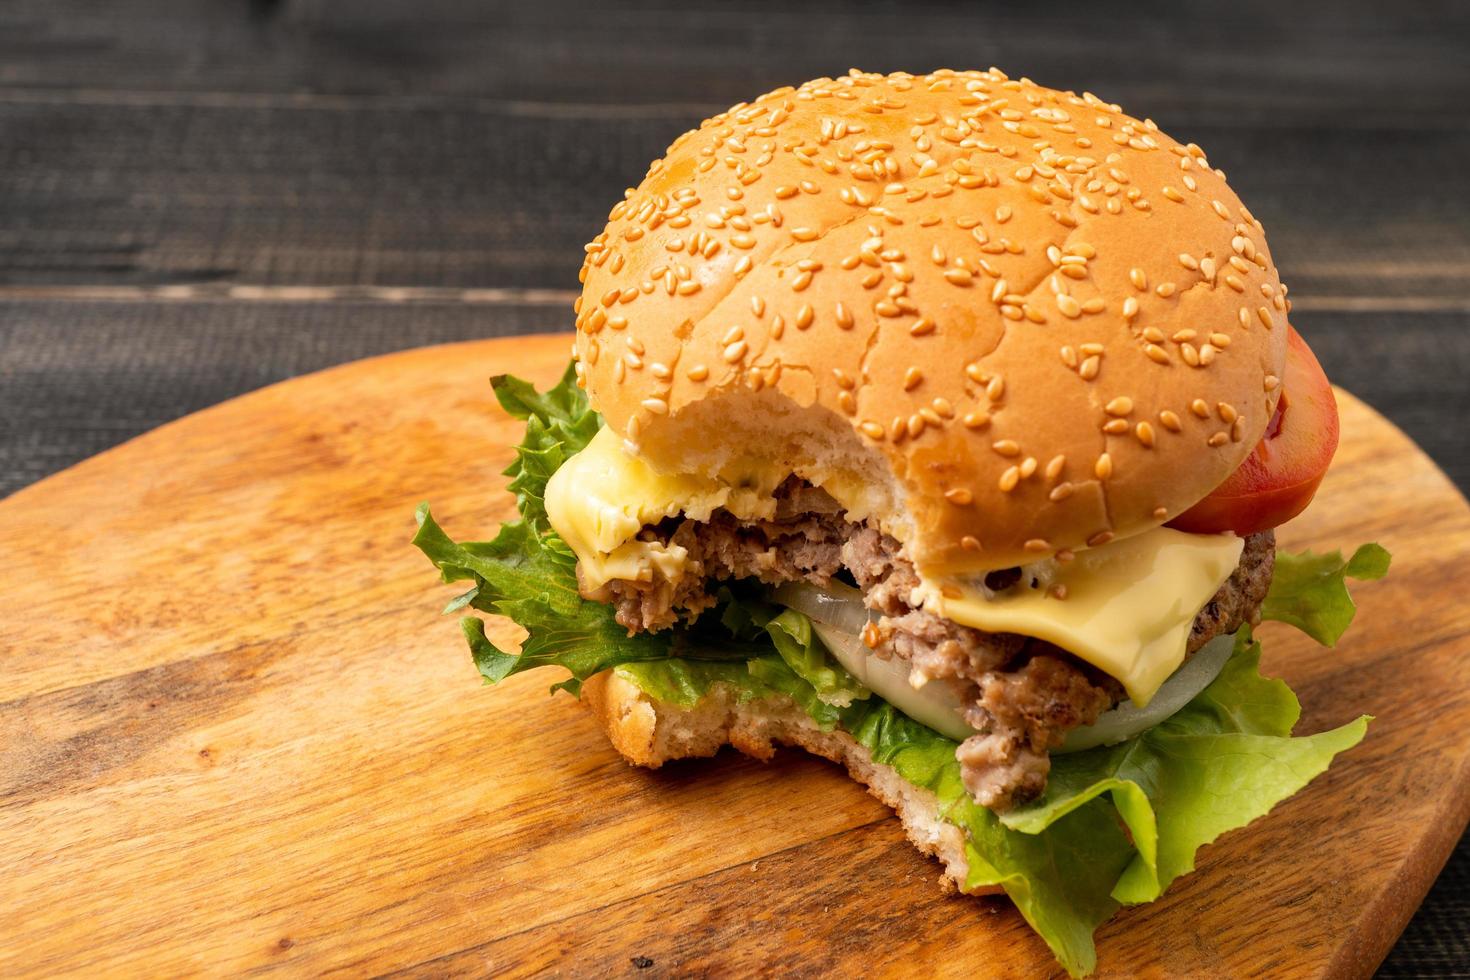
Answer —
838 617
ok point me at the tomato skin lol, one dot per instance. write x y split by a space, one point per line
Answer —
1278 479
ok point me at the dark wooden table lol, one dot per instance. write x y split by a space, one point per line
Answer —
199 197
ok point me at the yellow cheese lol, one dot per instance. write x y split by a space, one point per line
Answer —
1128 605
600 498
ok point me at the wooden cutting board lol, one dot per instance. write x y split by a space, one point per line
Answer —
235 734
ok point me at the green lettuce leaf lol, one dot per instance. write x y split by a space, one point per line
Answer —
791 632
532 581
558 424
1310 592
1223 760
529 575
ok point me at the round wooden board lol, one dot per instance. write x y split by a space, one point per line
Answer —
235 734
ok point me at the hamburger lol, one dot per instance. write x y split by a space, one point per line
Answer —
938 425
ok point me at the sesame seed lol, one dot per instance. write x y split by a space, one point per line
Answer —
1130 308
1054 467
1069 307
804 317
1037 544
1122 405
1115 426
943 408
656 405
995 389
1061 492
872 430
1103 469
1137 277
1156 353
1009 479
976 420
1090 368
1218 439
1189 261
1099 539
804 234
922 326
915 425
1007 447
733 334
844 316
1265 316
959 496
1237 429
1145 434
1271 381
846 402
1028 467
735 351
912 378
970 543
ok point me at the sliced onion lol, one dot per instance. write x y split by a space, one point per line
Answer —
838 617
838 605
1127 719
934 704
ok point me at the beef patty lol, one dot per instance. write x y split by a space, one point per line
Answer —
1022 694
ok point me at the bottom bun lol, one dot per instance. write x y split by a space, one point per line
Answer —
649 733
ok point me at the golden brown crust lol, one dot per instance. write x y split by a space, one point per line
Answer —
649 733
1048 319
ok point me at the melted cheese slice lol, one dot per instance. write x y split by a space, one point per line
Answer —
1128 609
602 497
1129 604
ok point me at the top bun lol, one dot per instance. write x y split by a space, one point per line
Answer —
999 319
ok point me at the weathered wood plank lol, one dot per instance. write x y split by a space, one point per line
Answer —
1253 58
486 196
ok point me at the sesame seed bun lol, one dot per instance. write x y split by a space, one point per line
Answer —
1000 319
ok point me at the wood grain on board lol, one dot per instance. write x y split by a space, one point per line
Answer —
237 736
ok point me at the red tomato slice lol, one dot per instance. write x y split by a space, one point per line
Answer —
1277 480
